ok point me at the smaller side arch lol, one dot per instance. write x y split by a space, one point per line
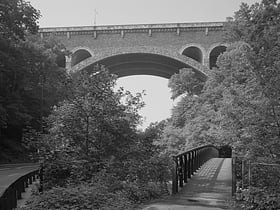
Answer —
79 54
194 51
61 60
213 53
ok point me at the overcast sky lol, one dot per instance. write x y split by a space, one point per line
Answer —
118 12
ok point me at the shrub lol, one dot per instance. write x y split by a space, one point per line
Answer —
138 193
260 199
81 197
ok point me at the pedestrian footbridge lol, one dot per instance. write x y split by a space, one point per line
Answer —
202 179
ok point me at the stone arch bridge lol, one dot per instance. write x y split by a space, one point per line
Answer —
150 49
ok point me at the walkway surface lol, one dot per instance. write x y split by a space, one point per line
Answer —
11 172
209 188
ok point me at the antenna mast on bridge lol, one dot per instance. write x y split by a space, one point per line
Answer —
95 14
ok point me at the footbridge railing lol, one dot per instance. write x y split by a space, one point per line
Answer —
186 163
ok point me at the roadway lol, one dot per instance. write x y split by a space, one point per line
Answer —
11 172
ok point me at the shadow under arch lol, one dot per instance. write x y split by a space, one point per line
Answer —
145 62
214 52
79 54
194 51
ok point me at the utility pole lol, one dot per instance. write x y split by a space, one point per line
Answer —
95 14
41 102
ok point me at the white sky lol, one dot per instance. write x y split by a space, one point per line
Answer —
118 12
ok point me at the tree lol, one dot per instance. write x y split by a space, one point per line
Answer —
239 104
18 17
222 112
30 80
185 82
92 122
31 83
258 25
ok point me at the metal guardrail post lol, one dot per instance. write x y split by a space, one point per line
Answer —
197 160
175 176
180 172
186 168
189 165
233 168
193 162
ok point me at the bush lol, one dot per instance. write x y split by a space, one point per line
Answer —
139 193
264 190
260 199
82 197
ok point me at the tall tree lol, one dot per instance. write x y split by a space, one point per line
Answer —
239 103
17 18
258 25
93 120
30 79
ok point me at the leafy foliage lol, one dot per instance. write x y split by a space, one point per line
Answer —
92 139
239 104
185 82
81 196
17 18
31 78
93 121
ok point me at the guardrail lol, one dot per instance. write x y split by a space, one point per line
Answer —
186 163
8 199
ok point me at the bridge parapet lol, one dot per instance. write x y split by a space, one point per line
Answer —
177 27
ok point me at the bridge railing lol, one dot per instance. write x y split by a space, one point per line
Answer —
8 200
186 163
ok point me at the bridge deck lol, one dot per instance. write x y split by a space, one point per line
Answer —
209 188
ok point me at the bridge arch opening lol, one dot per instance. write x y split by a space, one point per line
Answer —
214 54
79 55
194 53
139 63
157 94
144 64
61 61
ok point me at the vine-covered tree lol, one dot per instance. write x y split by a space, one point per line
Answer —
258 25
92 119
17 18
240 101
30 79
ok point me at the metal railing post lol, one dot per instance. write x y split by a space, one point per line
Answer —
180 171
193 162
175 176
189 165
233 168
185 168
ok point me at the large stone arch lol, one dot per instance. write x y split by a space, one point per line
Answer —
214 51
195 51
140 55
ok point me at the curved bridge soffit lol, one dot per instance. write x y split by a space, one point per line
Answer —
75 49
213 46
154 51
199 46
